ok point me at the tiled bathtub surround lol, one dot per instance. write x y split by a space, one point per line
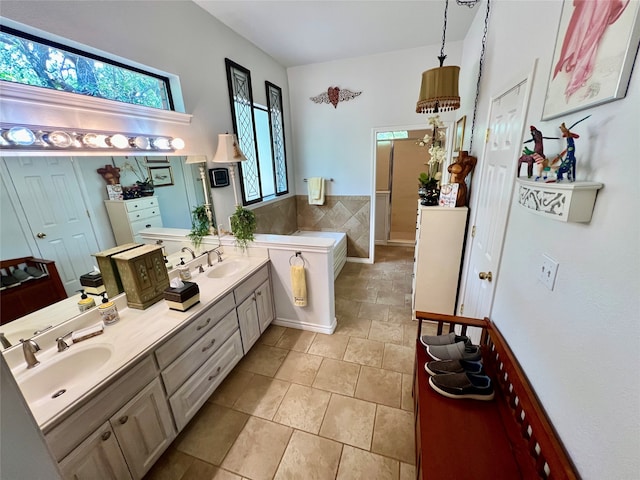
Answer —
314 406
277 218
340 213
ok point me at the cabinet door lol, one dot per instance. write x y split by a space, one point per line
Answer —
97 458
249 324
144 428
264 302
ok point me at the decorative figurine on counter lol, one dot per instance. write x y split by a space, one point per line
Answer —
568 165
459 171
531 157
110 174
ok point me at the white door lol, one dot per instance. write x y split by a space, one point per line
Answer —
502 149
49 194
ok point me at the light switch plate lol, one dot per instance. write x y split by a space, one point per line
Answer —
548 271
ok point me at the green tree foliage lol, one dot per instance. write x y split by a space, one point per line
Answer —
32 63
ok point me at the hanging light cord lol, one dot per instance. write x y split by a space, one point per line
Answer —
444 33
484 43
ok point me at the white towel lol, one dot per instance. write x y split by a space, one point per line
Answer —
316 190
298 286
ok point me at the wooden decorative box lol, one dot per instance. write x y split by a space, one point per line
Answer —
92 283
143 274
182 298
108 269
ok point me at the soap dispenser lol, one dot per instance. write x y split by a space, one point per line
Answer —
108 310
183 270
85 302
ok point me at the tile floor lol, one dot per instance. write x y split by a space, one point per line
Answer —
303 405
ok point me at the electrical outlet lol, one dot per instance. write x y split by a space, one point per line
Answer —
548 271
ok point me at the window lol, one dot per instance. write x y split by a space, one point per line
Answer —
35 61
260 132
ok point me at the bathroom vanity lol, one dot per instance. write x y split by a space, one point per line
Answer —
109 406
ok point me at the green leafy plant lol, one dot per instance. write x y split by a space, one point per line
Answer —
199 225
243 226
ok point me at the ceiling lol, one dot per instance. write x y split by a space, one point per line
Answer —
301 32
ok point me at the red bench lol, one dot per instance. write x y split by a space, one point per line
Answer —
507 438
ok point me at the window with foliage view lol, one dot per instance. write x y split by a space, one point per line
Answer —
35 61
260 132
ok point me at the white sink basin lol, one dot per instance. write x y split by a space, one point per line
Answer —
63 371
227 268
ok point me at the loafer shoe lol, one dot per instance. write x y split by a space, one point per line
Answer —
442 367
21 275
34 272
447 339
455 351
463 385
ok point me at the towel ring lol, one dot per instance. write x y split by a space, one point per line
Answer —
293 259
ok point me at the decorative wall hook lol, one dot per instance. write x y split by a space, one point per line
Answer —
333 95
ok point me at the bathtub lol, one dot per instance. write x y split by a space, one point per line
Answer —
339 247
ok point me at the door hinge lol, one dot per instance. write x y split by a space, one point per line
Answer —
486 135
461 308
88 215
473 231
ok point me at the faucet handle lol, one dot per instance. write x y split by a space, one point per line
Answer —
62 345
31 344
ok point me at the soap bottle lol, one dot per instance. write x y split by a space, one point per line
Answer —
85 302
183 270
108 310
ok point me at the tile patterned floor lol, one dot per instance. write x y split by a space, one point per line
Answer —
303 405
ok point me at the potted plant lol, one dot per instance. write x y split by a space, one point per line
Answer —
199 225
428 186
243 226
144 183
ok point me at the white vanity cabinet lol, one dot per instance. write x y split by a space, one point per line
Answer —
129 217
122 431
255 306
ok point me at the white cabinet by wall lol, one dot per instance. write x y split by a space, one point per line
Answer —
264 303
255 307
440 236
128 217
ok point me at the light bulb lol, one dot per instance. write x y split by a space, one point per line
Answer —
161 143
57 138
140 142
177 143
118 141
19 136
95 140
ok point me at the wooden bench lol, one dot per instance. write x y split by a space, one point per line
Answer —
509 437
32 295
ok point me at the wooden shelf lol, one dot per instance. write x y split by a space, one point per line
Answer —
566 202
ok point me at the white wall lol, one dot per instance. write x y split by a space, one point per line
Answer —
172 36
579 344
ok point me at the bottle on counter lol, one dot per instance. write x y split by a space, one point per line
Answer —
108 310
85 302
183 270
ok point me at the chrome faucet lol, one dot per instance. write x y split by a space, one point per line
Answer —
4 341
62 344
217 252
29 348
187 249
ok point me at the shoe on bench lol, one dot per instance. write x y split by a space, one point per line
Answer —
455 351
9 281
447 339
463 385
441 367
21 275
34 272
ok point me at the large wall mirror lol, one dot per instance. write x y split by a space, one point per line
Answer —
54 208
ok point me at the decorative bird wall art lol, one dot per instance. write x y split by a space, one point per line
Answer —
333 95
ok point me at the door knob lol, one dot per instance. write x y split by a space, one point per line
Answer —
485 276
41 235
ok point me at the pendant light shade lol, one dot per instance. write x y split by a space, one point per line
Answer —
228 150
439 90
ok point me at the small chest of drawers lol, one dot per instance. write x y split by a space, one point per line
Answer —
129 217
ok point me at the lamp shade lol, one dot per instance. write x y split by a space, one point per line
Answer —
439 90
196 159
228 150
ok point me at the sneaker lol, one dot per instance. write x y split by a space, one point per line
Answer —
447 339
9 281
34 272
21 275
455 351
463 385
453 366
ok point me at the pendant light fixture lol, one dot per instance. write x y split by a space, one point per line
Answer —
439 88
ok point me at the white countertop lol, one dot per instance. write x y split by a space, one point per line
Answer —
137 333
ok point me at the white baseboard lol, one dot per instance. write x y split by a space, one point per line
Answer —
309 327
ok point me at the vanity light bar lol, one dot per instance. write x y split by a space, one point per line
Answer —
40 138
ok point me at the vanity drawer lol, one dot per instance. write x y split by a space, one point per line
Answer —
251 283
173 348
190 397
151 222
141 203
141 214
65 436
176 373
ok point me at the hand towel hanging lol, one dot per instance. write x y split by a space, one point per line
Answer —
298 285
315 186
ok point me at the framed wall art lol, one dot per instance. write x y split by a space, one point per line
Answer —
594 54
458 140
161 176
161 159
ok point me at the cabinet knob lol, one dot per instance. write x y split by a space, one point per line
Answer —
123 420
148 225
105 436
485 276
258 293
200 327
